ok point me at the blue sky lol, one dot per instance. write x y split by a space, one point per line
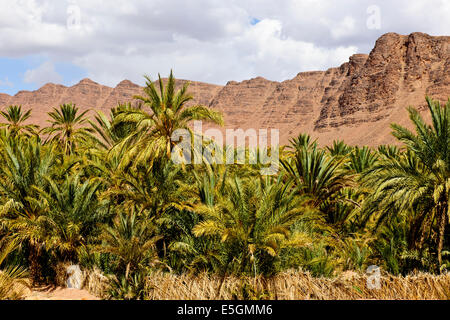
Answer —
254 21
213 41
13 70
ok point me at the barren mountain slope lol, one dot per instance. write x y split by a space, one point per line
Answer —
355 102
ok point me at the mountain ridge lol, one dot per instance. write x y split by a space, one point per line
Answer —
355 102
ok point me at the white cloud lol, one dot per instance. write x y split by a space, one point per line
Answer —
343 28
206 40
261 50
6 83
43 74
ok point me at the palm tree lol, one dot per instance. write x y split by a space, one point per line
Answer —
12 278
168 112
186 251
303 140
389 151
25 163
153 191
132 240
66 127
15 121
254 220
315 173
110 131
361 159
339 148
418 182
72 211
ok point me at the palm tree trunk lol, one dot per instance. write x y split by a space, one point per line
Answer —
442 223
417 235
35 267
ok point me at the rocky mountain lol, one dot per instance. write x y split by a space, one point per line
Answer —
355 102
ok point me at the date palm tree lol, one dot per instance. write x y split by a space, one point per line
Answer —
186 251
73 212
67 127
132 240
303 140
417 184
315 173
109 131
361 159
254 220
153 191
168 111
16 119
12 277
339 148
25 163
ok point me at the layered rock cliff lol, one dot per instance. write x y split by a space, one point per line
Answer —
355 102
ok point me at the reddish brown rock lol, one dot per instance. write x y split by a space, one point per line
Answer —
355 102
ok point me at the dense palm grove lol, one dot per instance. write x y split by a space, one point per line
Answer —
104 194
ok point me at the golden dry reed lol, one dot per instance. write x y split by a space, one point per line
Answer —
297 285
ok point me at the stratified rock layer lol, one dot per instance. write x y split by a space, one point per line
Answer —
355 102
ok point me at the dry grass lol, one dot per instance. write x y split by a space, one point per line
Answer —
96 283
12 287
13 282
93 280
295 285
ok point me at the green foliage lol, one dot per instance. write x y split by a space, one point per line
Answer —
361 159
132 240
67 128
417 181
153 134
254 219
339 148
26 164
15 121
12 277
72 210
249 291
132 287
318 261
105 194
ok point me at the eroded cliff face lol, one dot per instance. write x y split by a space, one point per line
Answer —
355 102
400 71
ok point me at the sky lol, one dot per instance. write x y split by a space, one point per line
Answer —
213 41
